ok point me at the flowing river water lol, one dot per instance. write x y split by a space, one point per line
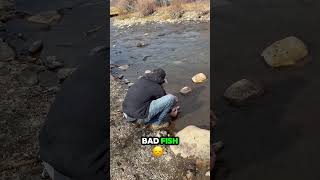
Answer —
182 50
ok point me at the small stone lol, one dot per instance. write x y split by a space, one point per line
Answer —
126 81
124 67
189 175
121 76
36 47
141 44
147 71
48 17
98 49
20 35
52 62
48 79
185 90
207 173
114 45
29 77
168 158
242 91
6 52
146 34
145 58
64 73
199 78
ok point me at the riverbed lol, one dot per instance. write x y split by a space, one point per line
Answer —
182 50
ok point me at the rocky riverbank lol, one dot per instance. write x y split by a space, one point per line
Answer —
131 160
192 12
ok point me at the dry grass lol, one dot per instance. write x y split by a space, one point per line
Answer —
146 7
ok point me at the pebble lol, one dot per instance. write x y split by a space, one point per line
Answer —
121 76
130 84
36 47
185 90
207 173
52 62
124 67
98 49
64 73
126 81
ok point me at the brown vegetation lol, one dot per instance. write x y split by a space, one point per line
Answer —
145 7
170 9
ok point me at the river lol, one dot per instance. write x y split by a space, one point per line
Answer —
182 50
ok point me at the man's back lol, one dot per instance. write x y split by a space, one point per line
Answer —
74 138
140 95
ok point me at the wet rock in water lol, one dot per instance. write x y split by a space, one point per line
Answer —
199 78
64 73
36 47
145 58
124 67
29 77
126 81
194 142
6 52
121 76
48 17
185 90
98 49
52 62
48 79
141 44
130 84
285 52
241 91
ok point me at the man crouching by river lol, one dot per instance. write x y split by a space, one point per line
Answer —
147 102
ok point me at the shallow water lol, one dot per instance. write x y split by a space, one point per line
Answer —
182 50
70 30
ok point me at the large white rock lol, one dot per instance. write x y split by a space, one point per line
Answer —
285 52
194 142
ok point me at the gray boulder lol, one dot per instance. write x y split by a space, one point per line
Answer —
36 47
64 73
52 62
285 52
241 91
48 17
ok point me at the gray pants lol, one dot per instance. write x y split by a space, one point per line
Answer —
54 175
